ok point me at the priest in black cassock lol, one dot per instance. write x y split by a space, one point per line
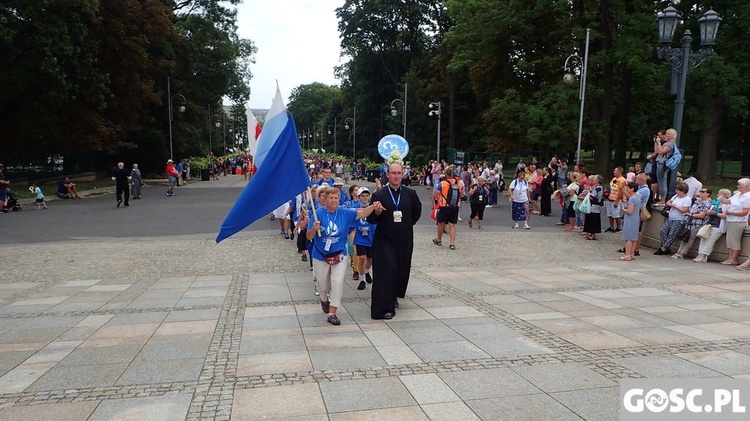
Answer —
393 243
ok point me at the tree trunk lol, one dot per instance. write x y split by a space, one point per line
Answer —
603 157
623 118
451 110
709 139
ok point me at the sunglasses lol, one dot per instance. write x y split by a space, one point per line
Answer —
703 191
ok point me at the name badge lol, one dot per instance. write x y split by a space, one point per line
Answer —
328 245
481 198
397 216
365 232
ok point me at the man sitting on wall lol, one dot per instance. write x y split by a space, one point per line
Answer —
66 189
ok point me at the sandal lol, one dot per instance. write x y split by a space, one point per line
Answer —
325 305
479 228
622 250
452 247
470 225
589 237
332 319
436 242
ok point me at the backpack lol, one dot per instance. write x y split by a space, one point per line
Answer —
675 159
453 195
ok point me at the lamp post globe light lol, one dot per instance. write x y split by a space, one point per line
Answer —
437 110
682 60
569 77
181 108
394 111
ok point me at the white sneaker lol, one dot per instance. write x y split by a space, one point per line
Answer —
515 226
526 226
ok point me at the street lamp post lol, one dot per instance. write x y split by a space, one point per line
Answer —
354 132
334 134
437 110
569 77
181 109
210 129
394 112
683 60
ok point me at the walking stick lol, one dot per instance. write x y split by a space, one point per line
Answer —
315 213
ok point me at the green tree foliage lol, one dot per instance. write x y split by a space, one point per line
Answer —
79 76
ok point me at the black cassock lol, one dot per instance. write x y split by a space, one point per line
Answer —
392 247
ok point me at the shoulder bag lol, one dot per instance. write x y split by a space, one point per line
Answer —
644 214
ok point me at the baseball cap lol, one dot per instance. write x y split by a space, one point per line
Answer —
169 161
338 182
362 190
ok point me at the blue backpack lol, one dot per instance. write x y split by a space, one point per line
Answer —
675 159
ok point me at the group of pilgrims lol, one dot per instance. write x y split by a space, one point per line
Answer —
331 224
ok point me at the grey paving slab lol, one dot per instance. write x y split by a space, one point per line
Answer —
284 402
161 371
449 411
190 315
278 362
157 408
563 377
410 413
665 366
522 408
25 335
601 404
122 353
344 359
278 322
336 340
175 347
365 394
448 351
272 344
69 411
138 318
79 376
726 362
484 384
510 346
418 335
429 389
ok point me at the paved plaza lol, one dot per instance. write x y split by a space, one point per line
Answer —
513 325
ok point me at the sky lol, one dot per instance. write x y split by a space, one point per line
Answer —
297 41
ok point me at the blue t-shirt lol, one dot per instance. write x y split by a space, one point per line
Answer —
323 180
39 194
644 192
363 230
334 229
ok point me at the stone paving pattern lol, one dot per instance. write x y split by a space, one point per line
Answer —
512 325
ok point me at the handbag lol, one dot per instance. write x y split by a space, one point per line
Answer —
585 205
434 212
665 211
704 232
684 233
644 214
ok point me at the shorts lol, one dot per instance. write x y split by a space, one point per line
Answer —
172 181
613 212
280 212
39 200
734 235
447 214
3 193
363 251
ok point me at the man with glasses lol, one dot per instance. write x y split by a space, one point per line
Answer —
393 243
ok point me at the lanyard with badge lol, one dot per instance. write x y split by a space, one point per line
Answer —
328 228
397 215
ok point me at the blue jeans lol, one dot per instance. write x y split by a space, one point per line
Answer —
493 197
662 177
564 215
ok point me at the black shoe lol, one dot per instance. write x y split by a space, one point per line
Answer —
332 319
610 229
660 252
361 285
326 306
119 202
617 230
622 250
304 257
126 205
291 236
388 316
368 278
637 253
395 303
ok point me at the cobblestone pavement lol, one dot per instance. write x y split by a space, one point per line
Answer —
511 325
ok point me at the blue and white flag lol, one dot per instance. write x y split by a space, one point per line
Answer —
280 178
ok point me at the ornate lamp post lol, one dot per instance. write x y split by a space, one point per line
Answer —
683 60
334 127
354 132
437 110
181 109
569 78
394 112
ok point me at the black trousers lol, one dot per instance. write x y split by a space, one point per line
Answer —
123 190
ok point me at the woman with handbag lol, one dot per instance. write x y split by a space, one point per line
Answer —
136 182
631 219
519 196
329 251
737 214
716 226
478 194
679 204
697 217
592 223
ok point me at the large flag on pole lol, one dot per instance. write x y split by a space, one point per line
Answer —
282 176
253 131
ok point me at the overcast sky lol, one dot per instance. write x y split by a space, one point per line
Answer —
297 41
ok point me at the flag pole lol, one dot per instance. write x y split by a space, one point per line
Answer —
315 213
